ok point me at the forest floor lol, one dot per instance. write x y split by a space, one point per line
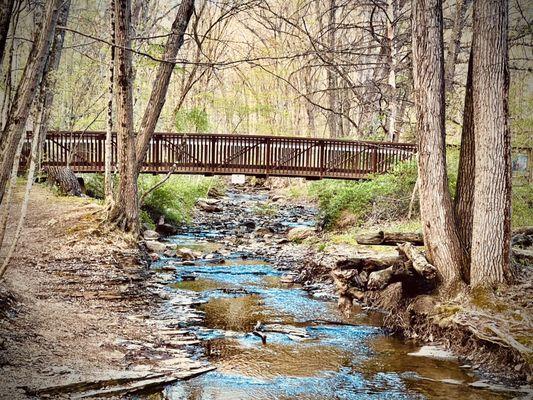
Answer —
76 306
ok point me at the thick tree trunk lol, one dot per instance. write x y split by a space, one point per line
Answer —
108 182
6 11
464 197
492 194
16 121
461 8
65 179
436 206
162 80
124 212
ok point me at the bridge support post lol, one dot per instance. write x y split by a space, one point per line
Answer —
268 162
322 158
212 163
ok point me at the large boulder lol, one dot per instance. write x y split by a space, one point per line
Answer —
150 235
155 247
187 254
300 233
208 206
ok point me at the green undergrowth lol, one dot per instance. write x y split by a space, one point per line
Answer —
350 207
174 200
356 203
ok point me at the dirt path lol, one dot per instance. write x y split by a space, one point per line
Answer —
76 303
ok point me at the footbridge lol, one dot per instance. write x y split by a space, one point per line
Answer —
223 154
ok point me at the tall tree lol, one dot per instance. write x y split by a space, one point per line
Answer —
461 8
108 183
492 194
125 211
162 80
6 10
333 95
18 114
436 208
48 83
392 60
464 197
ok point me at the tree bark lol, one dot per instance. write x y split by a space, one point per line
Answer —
6 11
492 194
65 179
461 8
162 80
464 197
392 13
436 206
333 118
46 91
124 212
9 192
108 183
16 121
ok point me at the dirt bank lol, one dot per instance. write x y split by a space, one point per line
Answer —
77 305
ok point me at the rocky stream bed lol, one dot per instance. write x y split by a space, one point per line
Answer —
228 287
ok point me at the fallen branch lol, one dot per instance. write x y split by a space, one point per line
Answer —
390 238
158 185
370 263
419 261
378 280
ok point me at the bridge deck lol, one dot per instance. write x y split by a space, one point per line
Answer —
233 154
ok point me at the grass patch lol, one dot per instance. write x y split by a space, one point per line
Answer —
384 198
174 200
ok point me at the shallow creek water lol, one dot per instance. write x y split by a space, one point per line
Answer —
327 356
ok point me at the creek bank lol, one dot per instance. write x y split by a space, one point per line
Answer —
252 225
490 332
80 310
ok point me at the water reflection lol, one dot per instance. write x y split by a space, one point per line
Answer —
235 314
337 357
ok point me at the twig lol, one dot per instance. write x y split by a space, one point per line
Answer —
159 184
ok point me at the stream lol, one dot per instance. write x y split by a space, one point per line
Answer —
312 350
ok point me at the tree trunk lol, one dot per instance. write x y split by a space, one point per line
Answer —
392 13
461 8
436 206
492 194
9 192
124 212
18 114
464 197
6 11
162 80
333 118
46 92
108 182
65 179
